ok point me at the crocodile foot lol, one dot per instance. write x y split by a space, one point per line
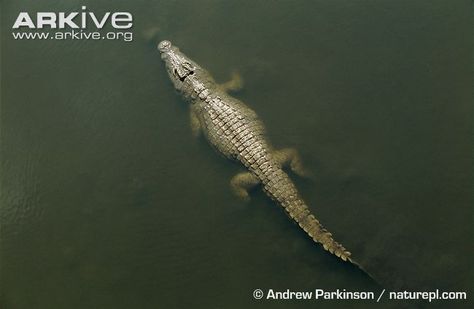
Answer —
243 182
234 84
290 157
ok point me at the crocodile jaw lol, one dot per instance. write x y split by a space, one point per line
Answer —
178 66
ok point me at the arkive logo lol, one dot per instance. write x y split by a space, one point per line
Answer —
118 20
87 23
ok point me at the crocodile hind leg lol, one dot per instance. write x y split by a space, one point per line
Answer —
195 124
242 182
290 157
234 84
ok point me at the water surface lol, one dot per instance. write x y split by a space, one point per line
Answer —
107 201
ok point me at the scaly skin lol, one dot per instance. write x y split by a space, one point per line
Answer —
235 131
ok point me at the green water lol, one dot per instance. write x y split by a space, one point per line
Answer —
107 201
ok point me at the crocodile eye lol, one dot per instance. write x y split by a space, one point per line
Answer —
188 66
184 70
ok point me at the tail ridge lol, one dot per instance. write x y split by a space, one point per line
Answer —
307 221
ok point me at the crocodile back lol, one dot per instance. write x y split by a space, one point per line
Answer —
232 128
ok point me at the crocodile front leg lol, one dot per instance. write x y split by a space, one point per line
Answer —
243 182
195 124
290 157
234 84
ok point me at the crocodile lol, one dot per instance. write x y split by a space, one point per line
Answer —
234 130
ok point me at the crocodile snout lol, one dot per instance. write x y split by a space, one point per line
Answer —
164 46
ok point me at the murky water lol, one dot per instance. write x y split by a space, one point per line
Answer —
107 201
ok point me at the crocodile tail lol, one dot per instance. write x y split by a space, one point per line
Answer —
301 214
364 270
279 187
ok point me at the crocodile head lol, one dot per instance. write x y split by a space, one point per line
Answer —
179 66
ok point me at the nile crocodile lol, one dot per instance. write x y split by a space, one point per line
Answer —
235 130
